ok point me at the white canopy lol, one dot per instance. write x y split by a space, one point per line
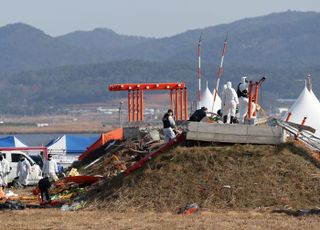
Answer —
307 105
207 101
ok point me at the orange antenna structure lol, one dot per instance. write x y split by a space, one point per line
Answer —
178 98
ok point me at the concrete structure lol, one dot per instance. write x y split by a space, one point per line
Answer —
244 134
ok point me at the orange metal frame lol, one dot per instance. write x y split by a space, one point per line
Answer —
178 98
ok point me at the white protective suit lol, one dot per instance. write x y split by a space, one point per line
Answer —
1 183
230 101
5 170
50 168
23 171
244 101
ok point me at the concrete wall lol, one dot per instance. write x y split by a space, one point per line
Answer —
235 133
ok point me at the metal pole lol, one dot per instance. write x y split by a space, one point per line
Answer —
138 105
185 104
256 96
141 105
176 108
250 101
181 104
129 106
120 115
199 70
220 70
171 100
133 106
288 117
302 124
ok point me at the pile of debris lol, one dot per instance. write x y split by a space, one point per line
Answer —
119 156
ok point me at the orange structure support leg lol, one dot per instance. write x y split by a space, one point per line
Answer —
141 105
181 104
250 101
129 106
171 100
176 107
138 104
133 106
256 96
185 104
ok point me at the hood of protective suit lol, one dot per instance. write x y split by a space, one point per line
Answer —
229 85
224 86
243 80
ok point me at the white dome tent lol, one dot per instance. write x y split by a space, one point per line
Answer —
207 101
307 105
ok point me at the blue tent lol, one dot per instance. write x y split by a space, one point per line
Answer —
11 142
71 144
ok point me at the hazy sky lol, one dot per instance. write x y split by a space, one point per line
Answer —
139 17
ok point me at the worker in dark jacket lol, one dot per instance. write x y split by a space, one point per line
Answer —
199 114
168 126
44 185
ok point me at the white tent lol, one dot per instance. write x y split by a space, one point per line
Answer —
307 105
207 101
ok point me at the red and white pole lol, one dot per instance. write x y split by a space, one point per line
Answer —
224 50
199 71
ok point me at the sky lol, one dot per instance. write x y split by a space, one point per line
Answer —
150 18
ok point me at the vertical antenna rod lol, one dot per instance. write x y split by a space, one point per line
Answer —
199 69
224 50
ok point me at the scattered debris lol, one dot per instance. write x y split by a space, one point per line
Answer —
300 212
189 209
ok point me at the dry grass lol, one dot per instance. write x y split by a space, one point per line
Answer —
220 219
239 176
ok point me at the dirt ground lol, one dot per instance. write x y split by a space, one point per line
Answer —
102 219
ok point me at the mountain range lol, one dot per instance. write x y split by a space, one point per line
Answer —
283 46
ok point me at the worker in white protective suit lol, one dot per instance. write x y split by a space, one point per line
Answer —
242 93
50 168
4 170
230 102
23 170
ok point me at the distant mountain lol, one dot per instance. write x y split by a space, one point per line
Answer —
277 40
63 70
23 47
286 40
103 42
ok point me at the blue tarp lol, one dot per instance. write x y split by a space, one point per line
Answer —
11 142
71 144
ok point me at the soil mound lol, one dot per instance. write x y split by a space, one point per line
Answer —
237 177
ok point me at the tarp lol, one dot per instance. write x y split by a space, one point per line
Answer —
207 101
116 134
307 105
70 144
11 141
